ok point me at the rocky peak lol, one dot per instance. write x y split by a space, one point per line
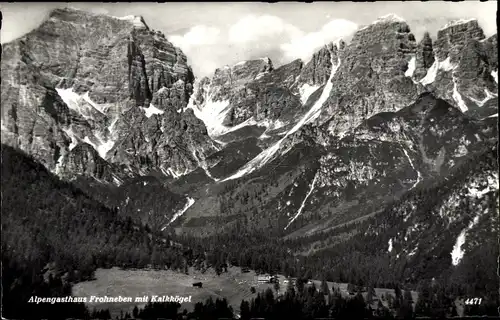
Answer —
424 56
109 83
318 69
373 74
228 79
463 67
455 35
250 90
136 21
491 47
390 21
83 17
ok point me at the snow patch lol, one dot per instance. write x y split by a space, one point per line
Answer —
2 124
260 75
391 17
151 110
117 181
457 22
303 202
203 164
305 91
473 192
493 184
457 253
411 67
240 63
461 151
92 103
390 245
445 65
80 103
87 140
101 148
72 135
188 204
494 74
172 173
59 164
413 252
136 21
264 136
72 100
419 175
458 98
104 148
489 96
212 114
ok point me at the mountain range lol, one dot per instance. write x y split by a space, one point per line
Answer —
381 137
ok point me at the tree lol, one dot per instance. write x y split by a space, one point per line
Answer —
390 300
397 292
423 305
405 310
350 287
244 310
277 286
369 295
324 287
407 295
135 312
300 285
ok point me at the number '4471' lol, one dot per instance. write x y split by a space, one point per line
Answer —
473 301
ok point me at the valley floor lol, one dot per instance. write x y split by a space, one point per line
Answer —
233 285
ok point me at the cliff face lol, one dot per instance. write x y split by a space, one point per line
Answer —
107 82
464 67
372 76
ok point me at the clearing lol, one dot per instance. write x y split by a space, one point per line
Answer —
233 285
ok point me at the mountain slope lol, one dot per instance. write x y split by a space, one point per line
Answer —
447 227
53 235
315 186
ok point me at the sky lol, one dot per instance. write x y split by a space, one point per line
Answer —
215 34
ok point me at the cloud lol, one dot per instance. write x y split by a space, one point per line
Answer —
98 10
253 28
304 46
255 36
199 35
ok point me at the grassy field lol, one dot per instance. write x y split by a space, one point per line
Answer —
233 285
